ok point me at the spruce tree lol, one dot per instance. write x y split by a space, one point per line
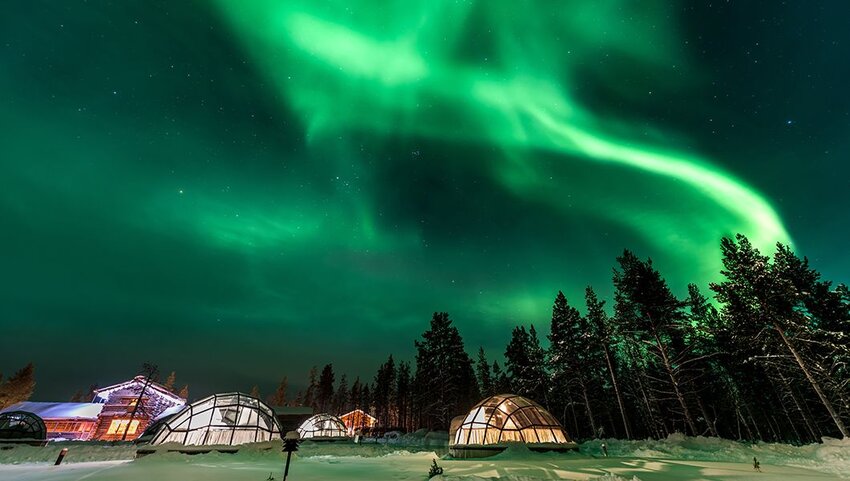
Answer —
648 309
501 382
482 370
573 359
445 380
325 389
355 396
19 387
525 364
312 388
341 396
384 392
602 330
404 396
765 302
169 381
279 396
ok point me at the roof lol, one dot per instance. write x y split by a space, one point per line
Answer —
105 392
170 411
47 410
357 412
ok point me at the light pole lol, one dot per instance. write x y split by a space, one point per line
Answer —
290 444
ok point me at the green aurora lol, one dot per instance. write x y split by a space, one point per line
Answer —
301 182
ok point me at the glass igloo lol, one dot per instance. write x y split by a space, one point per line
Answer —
221 419
22 426
502 419
322 426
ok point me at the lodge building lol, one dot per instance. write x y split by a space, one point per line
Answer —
118 412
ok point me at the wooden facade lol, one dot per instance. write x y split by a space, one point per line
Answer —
357 419
129 407
113 411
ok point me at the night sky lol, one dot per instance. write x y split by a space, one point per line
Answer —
239 190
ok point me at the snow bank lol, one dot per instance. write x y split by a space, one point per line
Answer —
78 452
832 455
607 477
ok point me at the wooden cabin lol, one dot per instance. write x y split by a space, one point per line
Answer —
113 410
130 406
357 419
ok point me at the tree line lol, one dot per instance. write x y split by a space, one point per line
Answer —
767 361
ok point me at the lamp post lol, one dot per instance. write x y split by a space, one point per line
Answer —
290 444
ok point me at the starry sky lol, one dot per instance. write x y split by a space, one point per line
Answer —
240 190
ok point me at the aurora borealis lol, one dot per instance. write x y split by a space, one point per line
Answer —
241 190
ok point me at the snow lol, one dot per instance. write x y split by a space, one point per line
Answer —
676 458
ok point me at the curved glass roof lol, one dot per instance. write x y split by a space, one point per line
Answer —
507 418
322 426
21 425
221 419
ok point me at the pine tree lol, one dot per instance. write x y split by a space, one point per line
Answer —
765 302
184 392
524 361
445 381
501 383
647 308
279 396
18 388
255 391
365 401
325 389
572 358
312 387
341 396
404 396
603 331
356 396
169 381
384 392
78 397
482 370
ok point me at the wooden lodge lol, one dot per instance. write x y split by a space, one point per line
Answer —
122 408
357 419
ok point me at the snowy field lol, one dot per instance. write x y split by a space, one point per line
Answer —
677 458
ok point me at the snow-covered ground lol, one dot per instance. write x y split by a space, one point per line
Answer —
677 458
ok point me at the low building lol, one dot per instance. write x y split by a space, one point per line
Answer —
71 421
357 419
117 412
129 407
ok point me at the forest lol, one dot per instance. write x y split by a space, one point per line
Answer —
766 359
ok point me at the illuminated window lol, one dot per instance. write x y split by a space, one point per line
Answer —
117 426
